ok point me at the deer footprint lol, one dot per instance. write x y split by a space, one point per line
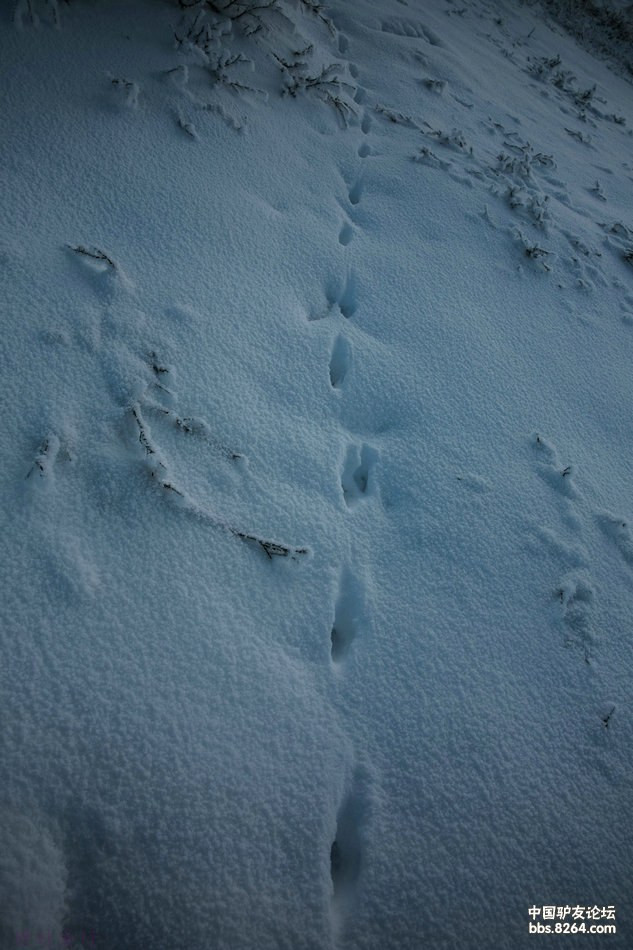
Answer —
347 615
340 361
343 295
358 479
346 851
346 234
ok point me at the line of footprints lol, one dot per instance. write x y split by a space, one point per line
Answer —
575 590
357 484
357 480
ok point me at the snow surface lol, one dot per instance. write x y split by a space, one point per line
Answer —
318 559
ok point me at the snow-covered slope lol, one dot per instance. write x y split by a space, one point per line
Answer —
318 571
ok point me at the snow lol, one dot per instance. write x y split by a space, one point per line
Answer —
317 587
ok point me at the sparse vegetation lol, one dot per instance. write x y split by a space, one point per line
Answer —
45 455
454 139
94 253
186 126
599 27
426 157
607 718
328 84
251 16
159 470
535 253
206 25
397 118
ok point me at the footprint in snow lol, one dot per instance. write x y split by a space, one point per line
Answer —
346 850
358 478
347 616
343 295
356 192
346 235
340 361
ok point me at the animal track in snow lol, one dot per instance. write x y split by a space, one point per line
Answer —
346 235
346 852
347 612
340 361
126 90
360 96
356 192
364 150
344 297
365 123
358 477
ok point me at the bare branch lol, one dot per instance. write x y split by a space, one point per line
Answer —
92 252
